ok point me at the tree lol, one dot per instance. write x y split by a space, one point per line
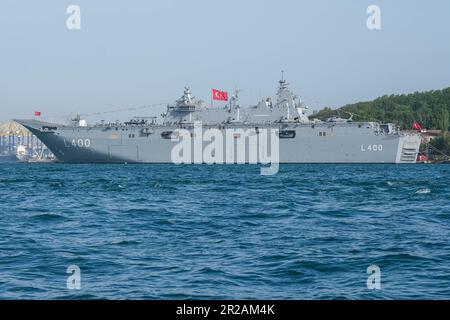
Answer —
431 109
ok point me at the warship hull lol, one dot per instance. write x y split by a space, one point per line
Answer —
304 143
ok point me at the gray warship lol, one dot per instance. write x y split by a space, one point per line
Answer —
301 140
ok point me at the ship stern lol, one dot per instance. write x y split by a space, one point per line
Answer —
408 148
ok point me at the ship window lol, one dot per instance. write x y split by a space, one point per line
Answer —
168 135
48 128
287 134
385 128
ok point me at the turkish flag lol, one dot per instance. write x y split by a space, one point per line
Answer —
417 126
219 95
37 113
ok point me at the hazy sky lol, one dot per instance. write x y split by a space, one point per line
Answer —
134 53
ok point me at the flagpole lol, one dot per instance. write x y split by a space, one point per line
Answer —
212 100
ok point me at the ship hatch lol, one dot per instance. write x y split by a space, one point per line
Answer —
169 135
287 134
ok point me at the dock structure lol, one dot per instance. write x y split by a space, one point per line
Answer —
17 141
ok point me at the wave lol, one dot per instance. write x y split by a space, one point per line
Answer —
48 217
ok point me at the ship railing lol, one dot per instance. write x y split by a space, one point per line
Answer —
409 133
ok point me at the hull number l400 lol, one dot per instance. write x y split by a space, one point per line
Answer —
81 143
372 148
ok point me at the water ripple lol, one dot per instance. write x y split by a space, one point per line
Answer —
224 232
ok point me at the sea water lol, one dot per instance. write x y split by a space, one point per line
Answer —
224 231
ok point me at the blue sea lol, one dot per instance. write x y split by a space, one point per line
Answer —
224 231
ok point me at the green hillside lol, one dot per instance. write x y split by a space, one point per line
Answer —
430 109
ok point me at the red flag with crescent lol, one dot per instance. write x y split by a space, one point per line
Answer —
416 126
219 95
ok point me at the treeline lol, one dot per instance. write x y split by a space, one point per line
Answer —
430 109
